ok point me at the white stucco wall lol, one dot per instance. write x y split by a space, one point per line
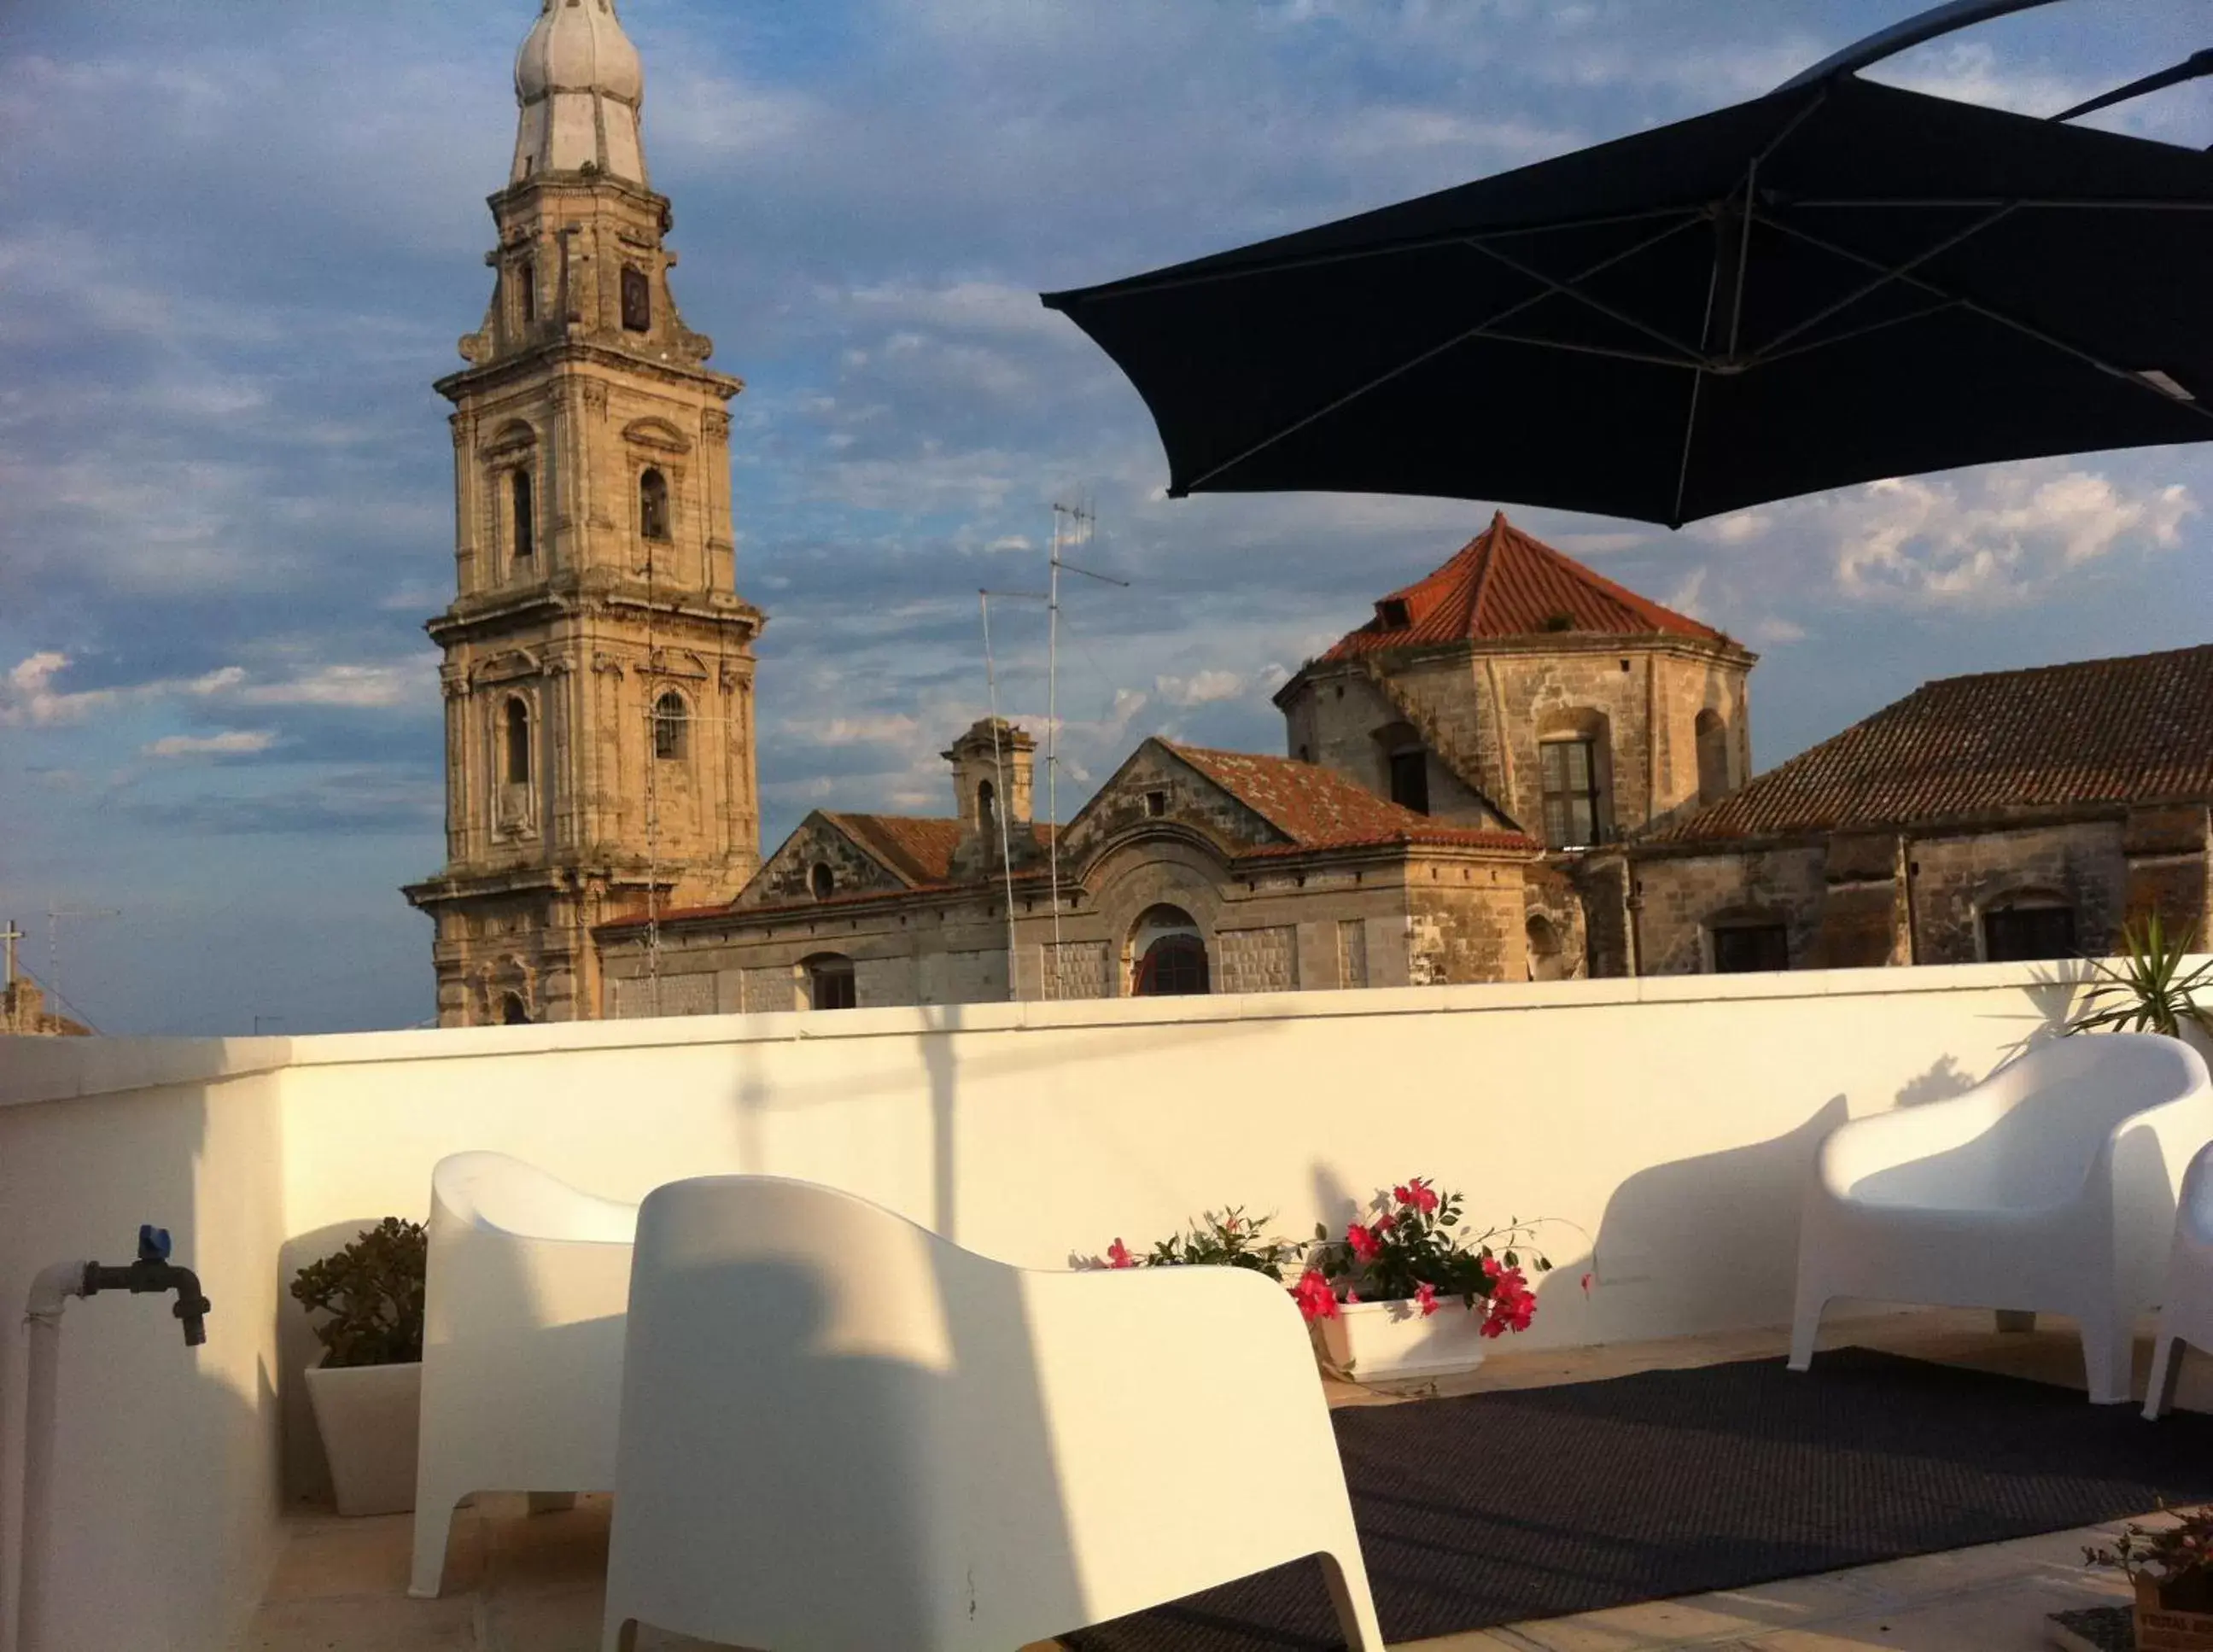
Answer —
1668 1121
165 1466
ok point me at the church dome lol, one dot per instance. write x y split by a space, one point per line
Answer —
580 84
578 45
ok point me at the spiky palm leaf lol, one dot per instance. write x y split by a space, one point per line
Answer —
2149 990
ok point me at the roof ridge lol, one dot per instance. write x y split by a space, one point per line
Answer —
2062 665
1480 591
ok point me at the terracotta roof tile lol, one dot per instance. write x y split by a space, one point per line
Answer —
918 847
2137 729
1319 808
1504 583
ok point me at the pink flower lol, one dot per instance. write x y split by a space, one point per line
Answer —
1117 1255
1384 1223
1229 1224
1365 1245
1313 1294
1351 1295
1587 1284
1425 1298
1418 1193
1490 1267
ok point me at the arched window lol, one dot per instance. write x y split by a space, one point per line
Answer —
517 716
829 981
526 289
513 1012
636 301
987 808
1167 955
822 880
1713 756
2031 925
671 727
1545 961
653 505
525 537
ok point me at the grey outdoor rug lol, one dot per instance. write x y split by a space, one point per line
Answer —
1492 1508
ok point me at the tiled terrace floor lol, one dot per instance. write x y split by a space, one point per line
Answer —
519 1582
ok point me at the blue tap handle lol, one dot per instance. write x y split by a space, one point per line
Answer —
153 1243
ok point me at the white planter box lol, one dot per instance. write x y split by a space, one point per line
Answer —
1384 1341
368 1416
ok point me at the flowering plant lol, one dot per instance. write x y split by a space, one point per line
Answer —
1227 1238
2171 1556
1408 1249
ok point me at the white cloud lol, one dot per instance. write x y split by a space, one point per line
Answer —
29 695
361 686
886 731
1200 688
231 743
2000 535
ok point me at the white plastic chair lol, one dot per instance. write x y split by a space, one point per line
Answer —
2186 1311
2047 1188
842 1433
522 1338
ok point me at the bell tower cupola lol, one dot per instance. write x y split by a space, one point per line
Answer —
599 664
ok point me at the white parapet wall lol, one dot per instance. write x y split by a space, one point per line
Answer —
1665 1124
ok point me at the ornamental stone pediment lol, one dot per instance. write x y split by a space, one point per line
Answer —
507 666
657 434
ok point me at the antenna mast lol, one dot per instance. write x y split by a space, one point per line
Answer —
1072 527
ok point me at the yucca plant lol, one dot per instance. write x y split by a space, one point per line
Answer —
2148 991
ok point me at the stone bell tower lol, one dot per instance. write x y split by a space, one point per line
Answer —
599 662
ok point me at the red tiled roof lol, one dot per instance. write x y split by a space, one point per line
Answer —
918 847
1504 583
1319 808
2098 732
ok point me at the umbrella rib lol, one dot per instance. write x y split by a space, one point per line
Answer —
2045 203
2002 319
1769 357
1139 286
1890 273
1687 356
1691 414
1408 366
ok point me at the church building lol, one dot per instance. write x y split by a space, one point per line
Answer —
598 662
1455 762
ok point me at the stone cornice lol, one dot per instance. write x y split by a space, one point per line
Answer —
539 359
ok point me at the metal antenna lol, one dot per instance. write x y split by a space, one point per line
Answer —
1079 521
999 793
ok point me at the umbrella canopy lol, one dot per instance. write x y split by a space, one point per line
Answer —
1826 285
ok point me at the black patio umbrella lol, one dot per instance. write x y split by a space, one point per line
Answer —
1829 284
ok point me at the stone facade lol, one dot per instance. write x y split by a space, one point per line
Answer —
599 660
1287 877
2006 815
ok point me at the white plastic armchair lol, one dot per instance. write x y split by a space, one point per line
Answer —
2186 1310
2050 1187
841 1433
528 1280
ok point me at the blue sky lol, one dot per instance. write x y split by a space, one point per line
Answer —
237 244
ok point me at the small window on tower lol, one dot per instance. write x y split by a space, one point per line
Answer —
653 505
636 301
526 289
526 517
518 743
670 727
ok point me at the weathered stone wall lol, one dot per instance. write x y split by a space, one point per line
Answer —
1683 895
1956 878
787 876
2170 855
1485 710
1460 932
1265 959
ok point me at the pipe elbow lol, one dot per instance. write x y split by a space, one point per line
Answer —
51 1290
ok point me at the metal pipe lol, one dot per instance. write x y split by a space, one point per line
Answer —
1888 42
50 1294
